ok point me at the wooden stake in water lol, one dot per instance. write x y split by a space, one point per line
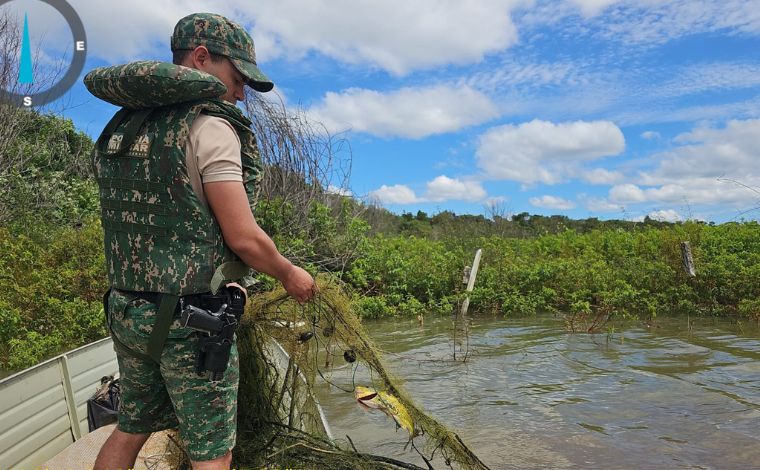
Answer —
688 260
471 281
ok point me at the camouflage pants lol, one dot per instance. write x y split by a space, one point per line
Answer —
171 394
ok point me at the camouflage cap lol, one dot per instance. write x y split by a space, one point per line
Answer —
223 37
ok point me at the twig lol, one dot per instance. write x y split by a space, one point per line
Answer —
352 443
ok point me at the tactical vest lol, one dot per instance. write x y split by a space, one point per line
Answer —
159 237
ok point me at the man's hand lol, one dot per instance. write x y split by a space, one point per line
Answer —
235 284
299 284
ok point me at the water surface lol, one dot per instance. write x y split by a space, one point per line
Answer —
533 395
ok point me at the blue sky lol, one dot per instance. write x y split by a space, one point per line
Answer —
604 108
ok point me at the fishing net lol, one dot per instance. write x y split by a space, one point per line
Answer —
279 423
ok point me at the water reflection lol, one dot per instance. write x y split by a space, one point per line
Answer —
532 395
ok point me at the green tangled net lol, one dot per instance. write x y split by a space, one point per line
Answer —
279 424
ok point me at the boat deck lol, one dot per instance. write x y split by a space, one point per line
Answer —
155 454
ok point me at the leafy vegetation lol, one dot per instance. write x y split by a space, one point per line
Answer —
51 255
50 297
609 272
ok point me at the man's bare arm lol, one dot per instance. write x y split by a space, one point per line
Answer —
229 203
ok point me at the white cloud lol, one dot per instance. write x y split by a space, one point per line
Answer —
627 193
492 201
601 205
655 21
443 188
551 202
675 94
396 194
153 20
650 135
689 191
331 189
601 176
648 111
409 112
732 151
666 215
541 151
395 35
709 77
440 189
511 73
600 86
592 7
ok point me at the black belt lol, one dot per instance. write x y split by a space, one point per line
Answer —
205 300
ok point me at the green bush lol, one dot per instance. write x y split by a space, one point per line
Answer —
50 297
372 307
626 273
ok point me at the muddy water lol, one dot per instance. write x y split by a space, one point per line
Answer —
532 395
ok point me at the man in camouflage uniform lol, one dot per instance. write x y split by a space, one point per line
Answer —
176 205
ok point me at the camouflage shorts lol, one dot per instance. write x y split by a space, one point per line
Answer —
170 395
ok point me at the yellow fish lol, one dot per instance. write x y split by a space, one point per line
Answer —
388 404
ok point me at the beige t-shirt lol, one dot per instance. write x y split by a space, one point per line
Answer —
212 153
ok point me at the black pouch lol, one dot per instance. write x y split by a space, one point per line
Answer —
103 407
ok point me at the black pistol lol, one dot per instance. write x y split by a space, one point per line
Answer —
218 330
